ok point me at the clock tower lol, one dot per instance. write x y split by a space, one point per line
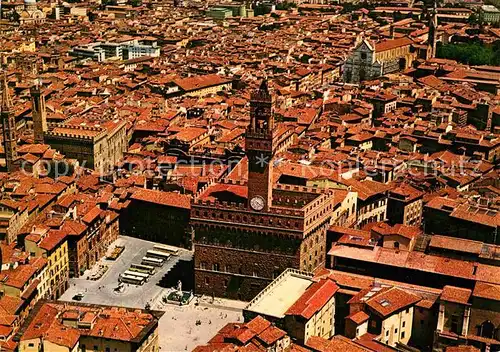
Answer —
260 149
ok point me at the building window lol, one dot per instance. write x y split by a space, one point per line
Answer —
387 333
454 323
404 323
402 334
363 56
215 267
207 281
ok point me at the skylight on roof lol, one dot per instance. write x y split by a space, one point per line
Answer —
384 303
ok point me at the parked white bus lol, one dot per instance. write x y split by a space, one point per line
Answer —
166 248
157 254
138 274
152 261
148 269
129 279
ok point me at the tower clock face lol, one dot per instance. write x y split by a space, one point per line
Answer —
257 203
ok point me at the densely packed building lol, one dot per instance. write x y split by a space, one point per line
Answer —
332 163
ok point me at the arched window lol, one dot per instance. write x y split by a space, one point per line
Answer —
487 329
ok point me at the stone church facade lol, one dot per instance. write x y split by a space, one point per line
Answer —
369 61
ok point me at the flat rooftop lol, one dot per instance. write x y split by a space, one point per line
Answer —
281 294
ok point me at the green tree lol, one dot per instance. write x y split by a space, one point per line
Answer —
285 5
473 53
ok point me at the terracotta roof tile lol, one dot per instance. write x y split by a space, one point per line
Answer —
170 199
390 301
456 294
487 291
313 299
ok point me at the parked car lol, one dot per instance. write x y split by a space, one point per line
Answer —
79 296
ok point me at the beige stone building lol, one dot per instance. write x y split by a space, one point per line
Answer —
52 245
303 306
405 205
97 146
386 312
13 216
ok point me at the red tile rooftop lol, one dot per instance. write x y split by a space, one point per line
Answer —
370 341
170 199
336 343
487 291
406 231
188 134
313 299
200 82
92 215
456 295
456 244
22 274
421 262
270 335
479 215
114 323
465 348
389 301
358 317
52 240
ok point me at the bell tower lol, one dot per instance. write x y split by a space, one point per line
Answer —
39 113
8 125
433 25
260 149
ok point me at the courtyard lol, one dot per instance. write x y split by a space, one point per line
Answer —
102 291
182 327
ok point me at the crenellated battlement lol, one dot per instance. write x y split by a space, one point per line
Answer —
233 182
242 207
77 132
203 189
303 189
